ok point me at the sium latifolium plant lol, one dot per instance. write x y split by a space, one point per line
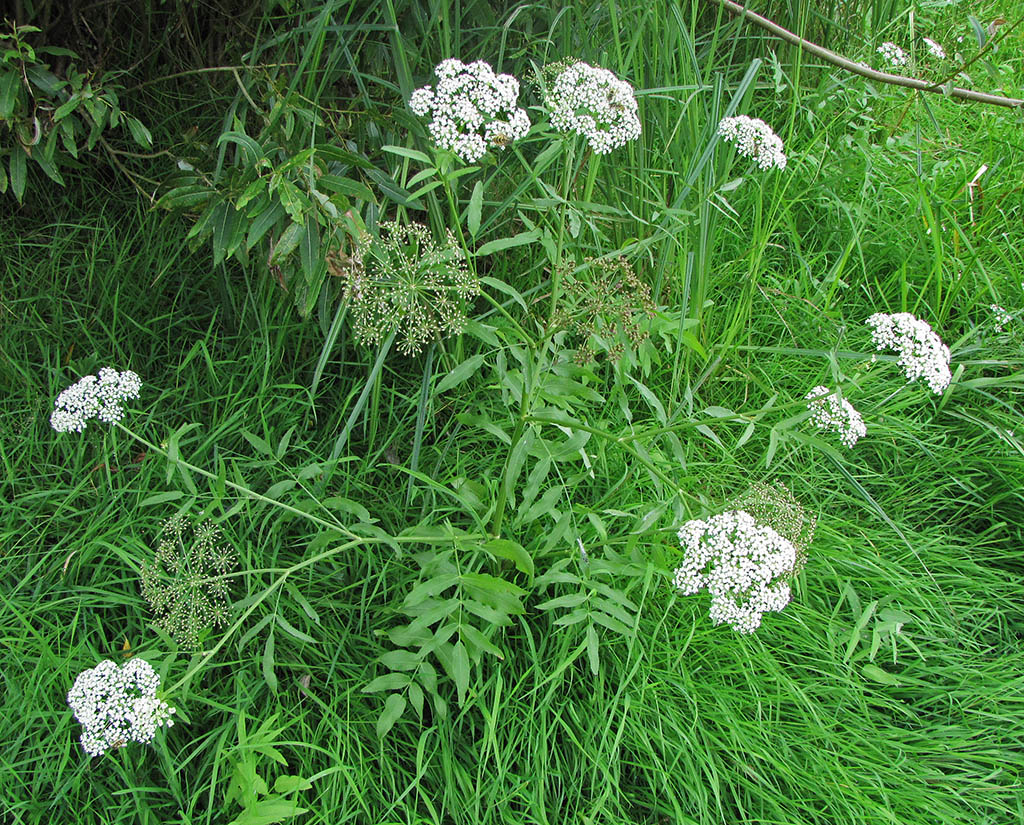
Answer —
50 120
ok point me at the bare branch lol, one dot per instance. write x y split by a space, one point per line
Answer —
867 71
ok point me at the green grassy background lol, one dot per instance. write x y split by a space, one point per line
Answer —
828 714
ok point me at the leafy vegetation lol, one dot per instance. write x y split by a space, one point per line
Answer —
443 573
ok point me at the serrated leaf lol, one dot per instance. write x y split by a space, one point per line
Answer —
513 551
475 637
394 707
431 587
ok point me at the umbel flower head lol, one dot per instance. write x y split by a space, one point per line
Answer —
118 705
185 582
595 104
922 353
471 109
94 396
402 281
833 414
893 54
608 302
754 139
745 567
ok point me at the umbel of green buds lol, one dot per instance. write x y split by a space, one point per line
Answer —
402 281
185 583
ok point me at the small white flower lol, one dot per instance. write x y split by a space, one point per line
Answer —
935 49
595 104
921 351
118 705
94 396
1002 317
745 567
892 54
834 414
754 139
471 109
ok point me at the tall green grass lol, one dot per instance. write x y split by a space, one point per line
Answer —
887 692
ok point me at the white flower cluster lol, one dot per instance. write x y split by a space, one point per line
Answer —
892 54
834 414
1002 317
118 705
593 103
471 109
745 566
754 139
935 49
921 351
94 396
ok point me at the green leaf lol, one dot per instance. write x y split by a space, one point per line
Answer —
18 171
431 587
491 584
255 188
246 143
513 551
9 85
262 222
268 811
592 649
286 243
260 444
394 707
460 373
223 229
568 600
293 201
185 197
287 783
161 498
140 134
502 244
400 660
293 631
412 154
460 670
389 681
345 186
268 663
876 674
476 202
475 637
